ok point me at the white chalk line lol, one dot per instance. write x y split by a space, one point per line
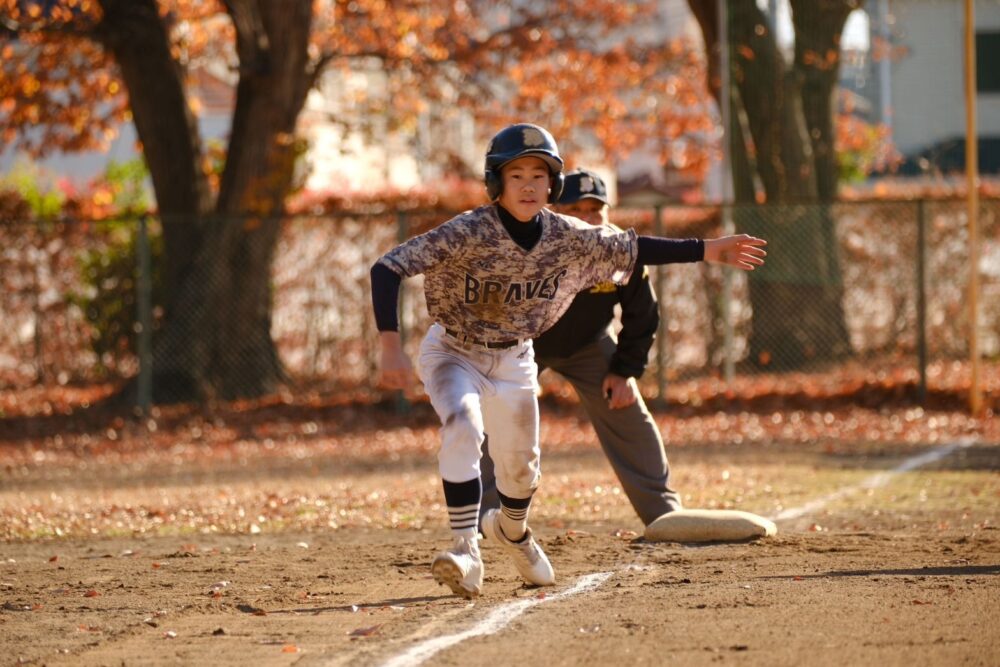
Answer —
875 481
495 621
501 616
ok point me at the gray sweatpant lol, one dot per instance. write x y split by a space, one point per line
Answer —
628 436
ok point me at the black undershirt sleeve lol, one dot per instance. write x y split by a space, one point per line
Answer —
385 296
654 250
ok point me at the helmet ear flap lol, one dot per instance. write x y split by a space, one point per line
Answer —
494 184
558 181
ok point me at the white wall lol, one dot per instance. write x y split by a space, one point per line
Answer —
78 168
928 84
81 168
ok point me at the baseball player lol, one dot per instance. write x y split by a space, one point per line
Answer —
582 348
495 278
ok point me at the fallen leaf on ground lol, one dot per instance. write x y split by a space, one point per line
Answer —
364 632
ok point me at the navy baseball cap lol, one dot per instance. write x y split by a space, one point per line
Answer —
583 184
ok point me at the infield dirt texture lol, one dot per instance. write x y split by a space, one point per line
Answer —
888 560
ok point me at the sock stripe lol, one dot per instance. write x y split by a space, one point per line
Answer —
463 499
514 517
514 503
464 516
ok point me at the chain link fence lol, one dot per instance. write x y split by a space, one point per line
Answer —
873 282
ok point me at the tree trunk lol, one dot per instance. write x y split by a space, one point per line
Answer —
226 337
272 41
771 99
216 341
797 299
219 345
135 35
818 29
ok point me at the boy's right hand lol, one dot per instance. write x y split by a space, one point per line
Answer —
396 369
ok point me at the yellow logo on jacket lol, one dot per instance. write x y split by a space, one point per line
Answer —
603 288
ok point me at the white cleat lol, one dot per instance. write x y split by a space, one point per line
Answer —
460 568
528 556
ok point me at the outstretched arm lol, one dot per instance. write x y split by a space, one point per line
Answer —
740 251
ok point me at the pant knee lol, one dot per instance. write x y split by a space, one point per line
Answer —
518 473
461 442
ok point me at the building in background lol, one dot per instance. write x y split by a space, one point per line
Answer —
213 98
353 151
643 178
928 85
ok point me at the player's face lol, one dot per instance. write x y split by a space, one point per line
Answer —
526 183
588 210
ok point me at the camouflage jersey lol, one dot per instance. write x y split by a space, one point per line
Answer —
480 283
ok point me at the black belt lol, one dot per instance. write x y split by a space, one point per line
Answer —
489 345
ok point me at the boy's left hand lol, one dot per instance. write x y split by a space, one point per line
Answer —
740 251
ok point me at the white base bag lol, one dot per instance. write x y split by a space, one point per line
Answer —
709 526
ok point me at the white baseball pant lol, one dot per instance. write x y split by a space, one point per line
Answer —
474 391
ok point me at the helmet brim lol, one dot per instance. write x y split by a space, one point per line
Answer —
555 164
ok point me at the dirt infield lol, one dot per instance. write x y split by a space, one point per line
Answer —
330 566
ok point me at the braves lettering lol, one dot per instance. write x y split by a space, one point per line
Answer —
494 291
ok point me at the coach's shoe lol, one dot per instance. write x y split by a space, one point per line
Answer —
460 568
528 556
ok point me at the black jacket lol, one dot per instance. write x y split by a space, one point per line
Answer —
590 314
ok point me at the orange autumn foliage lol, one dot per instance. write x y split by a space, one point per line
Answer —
589 70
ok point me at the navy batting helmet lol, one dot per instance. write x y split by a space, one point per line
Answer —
522 140
583 184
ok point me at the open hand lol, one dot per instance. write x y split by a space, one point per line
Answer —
740 251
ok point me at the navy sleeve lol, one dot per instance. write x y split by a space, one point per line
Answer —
654 250
640 318
385 296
